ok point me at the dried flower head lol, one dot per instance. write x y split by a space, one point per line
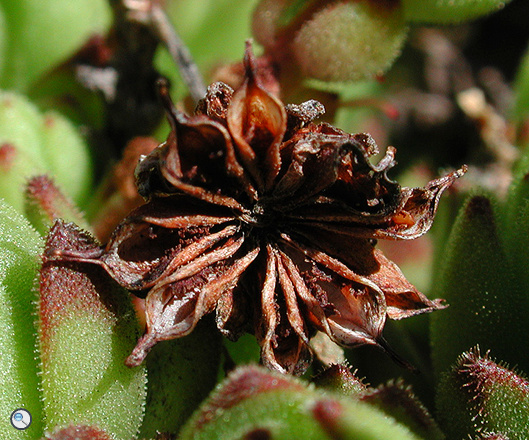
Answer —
269 220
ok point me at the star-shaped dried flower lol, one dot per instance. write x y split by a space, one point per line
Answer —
269 220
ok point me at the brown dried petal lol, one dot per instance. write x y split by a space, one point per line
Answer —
198 159
402 298
179 301
311 164
360 255
231 313
281 330
354 307
299 116
257 123
410 219
155 239
415 215
360 310
363 189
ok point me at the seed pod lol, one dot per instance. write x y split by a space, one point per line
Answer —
449 11
20 247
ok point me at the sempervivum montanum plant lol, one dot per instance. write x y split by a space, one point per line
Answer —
270 220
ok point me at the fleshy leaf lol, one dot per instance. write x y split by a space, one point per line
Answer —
33 144
340 378
494 399
36 43
181 374
479 305
449 11
254 403
20 247
78 433
87 328
399 401
45 203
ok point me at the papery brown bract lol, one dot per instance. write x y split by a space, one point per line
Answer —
269 220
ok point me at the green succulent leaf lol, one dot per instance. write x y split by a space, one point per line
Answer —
44 33
20 247
181 374
449 11
78 433
45 203
483 293
87 327
347 41
516 217
32 143
495 398
255 403
521 90
398 400
3 39
341 379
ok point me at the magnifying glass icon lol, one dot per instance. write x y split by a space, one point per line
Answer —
20 419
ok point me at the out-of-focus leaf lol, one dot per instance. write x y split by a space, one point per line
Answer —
44 33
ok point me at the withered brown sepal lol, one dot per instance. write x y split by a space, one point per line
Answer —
269 220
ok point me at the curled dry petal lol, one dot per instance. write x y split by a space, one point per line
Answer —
256 213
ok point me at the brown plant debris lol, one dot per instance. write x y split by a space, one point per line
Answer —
270 220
